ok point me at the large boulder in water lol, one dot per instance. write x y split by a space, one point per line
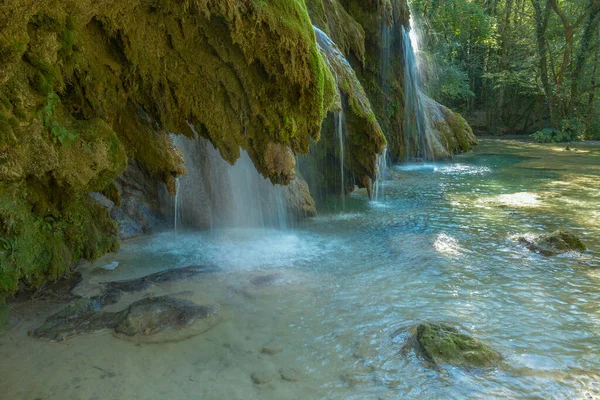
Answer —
150 320
441 343
550 244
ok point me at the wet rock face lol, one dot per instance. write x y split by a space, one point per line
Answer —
441 344
557 242
150 320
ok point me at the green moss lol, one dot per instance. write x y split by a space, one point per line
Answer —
11 49
4 314
444 344
84 93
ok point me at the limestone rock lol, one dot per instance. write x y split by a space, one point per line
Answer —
150 320
166 319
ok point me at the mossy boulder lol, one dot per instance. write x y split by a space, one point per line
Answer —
553 243
443 344
451 132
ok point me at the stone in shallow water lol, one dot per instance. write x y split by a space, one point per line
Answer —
441 344
272 348
114 289
266 280
289 374
150 320
79 317
167 319
557 242
261 377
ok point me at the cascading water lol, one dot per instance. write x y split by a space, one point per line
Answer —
340 134
214 194
419 141
382 167
328 47
176 216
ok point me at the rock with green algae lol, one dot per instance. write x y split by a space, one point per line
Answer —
451 132
444 344
554 243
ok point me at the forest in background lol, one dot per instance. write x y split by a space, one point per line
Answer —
514 66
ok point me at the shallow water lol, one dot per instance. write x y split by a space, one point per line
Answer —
439 246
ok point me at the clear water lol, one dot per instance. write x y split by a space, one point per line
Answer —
439 247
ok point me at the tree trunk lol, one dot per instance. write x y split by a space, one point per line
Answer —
541 19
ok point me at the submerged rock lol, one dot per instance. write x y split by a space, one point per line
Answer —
289 374
79 317
262 377
550 244
114 289
441 344
166 319
150 320
272 348
266 280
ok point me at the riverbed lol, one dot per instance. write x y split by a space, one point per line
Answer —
440 244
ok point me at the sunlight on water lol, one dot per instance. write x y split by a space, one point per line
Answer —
313 310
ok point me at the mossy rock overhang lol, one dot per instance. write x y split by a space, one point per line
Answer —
86 85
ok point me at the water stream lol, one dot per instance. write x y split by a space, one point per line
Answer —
419 139
441 247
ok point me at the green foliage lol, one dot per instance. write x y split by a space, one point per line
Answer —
60 134
571 130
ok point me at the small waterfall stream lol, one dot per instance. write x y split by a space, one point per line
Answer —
176 216
382 170
214 194
416 125
339 122
419 139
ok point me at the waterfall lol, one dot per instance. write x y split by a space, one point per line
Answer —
340 133
382 167
176 216
214 194
337 63
419 141
385 64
